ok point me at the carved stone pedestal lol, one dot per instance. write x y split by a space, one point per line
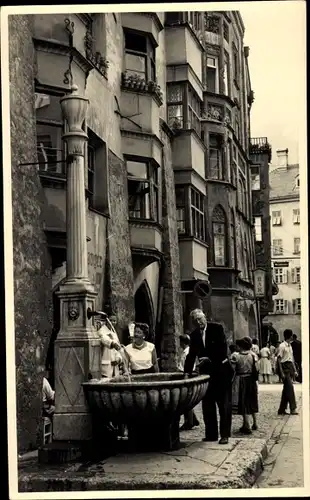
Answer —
77 359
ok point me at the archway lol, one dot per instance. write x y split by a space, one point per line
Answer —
253 330
144 311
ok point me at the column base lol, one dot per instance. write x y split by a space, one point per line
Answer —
72 426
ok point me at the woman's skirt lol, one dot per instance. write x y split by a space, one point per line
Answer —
265 366
246 400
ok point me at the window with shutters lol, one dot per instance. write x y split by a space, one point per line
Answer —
277 247
298 306
276 218
280 306
297 274
296 216
278 275
219 229
296 245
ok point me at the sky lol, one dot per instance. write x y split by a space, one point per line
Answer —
275 33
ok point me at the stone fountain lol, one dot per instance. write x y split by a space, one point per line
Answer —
150 405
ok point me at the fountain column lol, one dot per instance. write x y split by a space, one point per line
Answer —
77 348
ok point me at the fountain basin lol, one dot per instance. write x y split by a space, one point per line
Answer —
145 396
150 405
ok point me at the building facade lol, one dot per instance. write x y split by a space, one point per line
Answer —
285 244
260 153
167 177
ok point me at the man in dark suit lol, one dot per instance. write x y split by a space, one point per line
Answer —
208 343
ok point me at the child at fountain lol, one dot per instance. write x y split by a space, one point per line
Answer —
110 358
190 419
142 357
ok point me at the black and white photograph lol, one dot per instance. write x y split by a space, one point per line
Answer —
155 242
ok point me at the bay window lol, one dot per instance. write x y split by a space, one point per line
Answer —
142 179
183 107
139 55
175 107
49 131
190 212
216 170
194 111
219 231
197 214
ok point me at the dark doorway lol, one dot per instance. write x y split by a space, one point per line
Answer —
144 312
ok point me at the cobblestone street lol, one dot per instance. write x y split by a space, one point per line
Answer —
284 464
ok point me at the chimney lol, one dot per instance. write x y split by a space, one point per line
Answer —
282 158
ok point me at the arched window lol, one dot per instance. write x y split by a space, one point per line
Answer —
232 240
219 230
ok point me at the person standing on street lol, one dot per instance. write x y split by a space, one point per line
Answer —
208 343
296 346
287 373
265 363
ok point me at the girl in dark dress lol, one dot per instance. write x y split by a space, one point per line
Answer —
246 370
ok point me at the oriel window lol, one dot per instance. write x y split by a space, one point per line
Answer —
197 214
139 55
49 131
142 190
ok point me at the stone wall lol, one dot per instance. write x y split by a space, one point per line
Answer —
280 322
32 276
172 313
120 272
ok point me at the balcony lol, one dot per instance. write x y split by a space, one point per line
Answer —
260 146
145 242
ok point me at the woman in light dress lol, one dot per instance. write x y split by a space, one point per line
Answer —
141 354
265 363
